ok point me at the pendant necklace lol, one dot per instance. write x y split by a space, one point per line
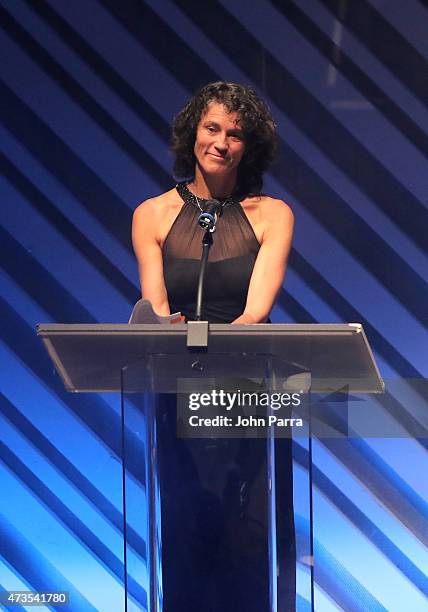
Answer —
198 203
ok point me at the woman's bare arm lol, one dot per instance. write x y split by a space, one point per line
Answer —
147 246
269 269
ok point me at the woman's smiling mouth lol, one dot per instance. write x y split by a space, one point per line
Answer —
216 156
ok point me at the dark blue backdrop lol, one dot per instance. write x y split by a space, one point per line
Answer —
87 92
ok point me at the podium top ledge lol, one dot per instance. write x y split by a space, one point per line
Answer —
181 328
91 357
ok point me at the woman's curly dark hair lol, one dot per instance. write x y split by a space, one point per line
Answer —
254 118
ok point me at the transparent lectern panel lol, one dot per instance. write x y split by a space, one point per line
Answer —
137 421
208 458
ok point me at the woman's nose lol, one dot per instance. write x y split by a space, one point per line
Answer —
221 142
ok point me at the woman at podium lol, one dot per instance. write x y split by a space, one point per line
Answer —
213 556
223 140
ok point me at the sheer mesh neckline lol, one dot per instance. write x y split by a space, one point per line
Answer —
234 237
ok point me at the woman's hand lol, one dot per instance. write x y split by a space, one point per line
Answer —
245 319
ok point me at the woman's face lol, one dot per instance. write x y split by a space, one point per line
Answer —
219 144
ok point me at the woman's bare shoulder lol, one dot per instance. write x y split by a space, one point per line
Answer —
271 205
159 205
268 209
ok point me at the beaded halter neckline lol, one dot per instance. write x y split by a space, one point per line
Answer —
191 198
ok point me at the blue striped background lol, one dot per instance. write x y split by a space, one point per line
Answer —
87 93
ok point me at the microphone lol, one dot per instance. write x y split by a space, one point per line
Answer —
209 215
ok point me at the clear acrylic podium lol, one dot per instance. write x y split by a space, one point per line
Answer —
213 501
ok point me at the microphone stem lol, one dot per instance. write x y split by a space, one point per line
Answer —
206 245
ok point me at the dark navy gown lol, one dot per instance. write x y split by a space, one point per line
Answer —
214 492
